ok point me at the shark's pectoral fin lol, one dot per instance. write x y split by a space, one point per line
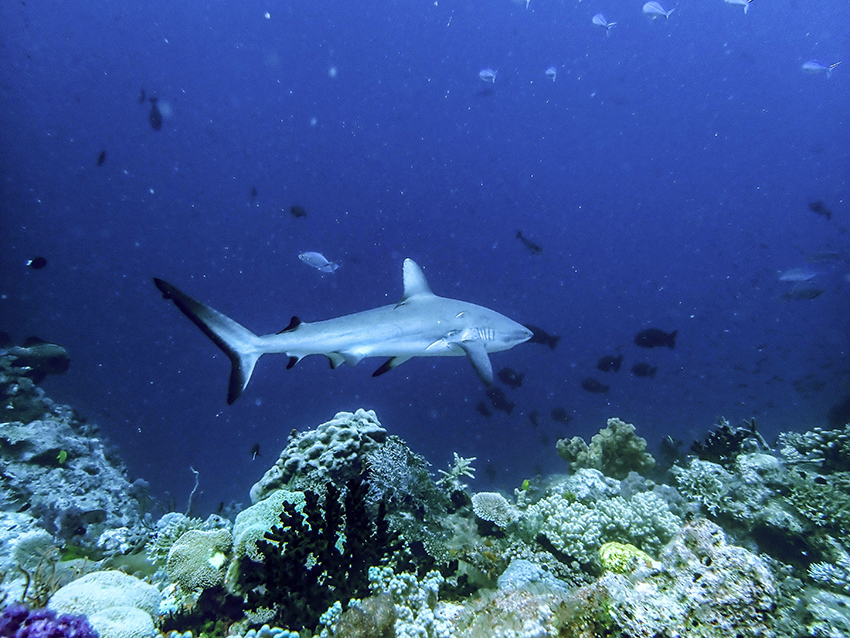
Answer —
478 357
388 365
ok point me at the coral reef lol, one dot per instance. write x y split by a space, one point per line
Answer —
348 526
327 454
615 451
53 462
702 587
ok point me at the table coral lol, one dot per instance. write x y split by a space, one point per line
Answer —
495 508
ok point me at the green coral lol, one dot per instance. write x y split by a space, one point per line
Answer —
197 559
615 451
623 558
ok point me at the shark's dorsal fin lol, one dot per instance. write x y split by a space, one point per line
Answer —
415 284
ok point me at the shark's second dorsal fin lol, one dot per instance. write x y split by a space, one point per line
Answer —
415 283
293 324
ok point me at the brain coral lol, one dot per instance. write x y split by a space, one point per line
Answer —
122 622
198 558
101 590
328 453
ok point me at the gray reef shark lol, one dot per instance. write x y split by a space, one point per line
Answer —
420 325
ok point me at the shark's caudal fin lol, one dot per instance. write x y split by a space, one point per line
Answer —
237 342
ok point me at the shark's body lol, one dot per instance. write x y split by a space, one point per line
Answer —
420 325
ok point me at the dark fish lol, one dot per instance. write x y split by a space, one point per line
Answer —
101 158
510 378
483 410
533 248
39 357
820 208
592 385
253 192
297 211
534 417
255 451
142 96
802 294
155 116
643 370
37 263
499 400
539 335
655 338
609 363
561 415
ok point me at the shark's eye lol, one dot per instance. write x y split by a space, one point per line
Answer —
460 314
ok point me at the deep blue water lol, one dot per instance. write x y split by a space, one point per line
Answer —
666 173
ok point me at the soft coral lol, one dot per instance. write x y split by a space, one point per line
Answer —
17 621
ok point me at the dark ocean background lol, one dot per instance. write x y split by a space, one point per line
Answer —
667 174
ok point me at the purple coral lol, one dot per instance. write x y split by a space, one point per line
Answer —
17 621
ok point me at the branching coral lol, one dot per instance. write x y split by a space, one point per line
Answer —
615 451
316 557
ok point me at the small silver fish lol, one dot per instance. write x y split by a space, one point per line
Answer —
798 275
740 3
600 21
552 73
655 10
318 261
488 75
814 67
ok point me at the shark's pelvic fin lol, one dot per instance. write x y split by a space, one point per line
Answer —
236 341
389 364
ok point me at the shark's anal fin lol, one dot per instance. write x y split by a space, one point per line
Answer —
291 363
389 364
477 354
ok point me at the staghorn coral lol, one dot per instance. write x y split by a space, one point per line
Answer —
615 451
450 481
